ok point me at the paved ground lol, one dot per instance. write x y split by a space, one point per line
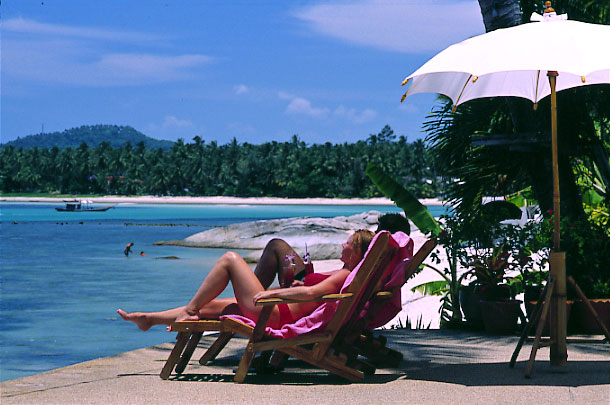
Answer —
440 366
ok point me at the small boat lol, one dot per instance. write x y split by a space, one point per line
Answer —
82 206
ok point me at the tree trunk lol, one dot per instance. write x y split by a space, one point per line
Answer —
500 13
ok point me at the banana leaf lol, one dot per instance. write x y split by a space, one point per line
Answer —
414 210
439 287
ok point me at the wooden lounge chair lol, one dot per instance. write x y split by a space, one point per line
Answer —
359 341
368 278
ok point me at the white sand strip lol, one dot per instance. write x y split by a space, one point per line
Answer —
223 200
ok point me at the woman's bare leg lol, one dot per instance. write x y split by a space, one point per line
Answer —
214 309
273 261
230 267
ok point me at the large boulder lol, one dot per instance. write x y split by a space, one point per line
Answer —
323 236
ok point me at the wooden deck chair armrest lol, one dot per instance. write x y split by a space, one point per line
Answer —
214 325
384 295
235 326
323 298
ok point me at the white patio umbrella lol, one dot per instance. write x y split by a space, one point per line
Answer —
515 62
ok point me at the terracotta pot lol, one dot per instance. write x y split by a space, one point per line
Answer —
584 321
500 317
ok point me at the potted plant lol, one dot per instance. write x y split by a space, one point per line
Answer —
498 307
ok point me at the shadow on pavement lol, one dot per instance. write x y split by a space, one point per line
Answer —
575 374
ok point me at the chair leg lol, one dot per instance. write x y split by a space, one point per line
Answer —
278 359
217 346
244 364
174 356
188 352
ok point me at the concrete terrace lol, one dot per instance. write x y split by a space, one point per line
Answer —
439 366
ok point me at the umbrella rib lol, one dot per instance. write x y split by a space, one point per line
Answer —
536 95
460 96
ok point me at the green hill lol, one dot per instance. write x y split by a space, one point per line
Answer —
92 135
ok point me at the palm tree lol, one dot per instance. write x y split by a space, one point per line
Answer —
521 156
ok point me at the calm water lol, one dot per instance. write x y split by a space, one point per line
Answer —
63 275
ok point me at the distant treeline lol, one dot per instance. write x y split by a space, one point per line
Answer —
278 169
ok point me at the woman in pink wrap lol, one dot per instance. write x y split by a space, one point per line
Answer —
249 286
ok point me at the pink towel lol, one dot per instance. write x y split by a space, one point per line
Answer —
322 315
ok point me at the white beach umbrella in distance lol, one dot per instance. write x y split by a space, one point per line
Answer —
516 62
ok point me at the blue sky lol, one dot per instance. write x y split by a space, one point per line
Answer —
254 70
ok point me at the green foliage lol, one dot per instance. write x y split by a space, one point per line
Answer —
92 135
490 268
499 210
479 249
288 169
587 247
439 287
413 209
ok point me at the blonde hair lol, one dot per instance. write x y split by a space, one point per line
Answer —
362 239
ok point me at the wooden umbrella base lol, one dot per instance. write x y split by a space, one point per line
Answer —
539 318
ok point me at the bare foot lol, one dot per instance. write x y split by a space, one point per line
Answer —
138 318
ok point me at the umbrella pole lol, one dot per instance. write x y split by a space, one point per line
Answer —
557 262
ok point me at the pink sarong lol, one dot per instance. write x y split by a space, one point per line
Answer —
321 316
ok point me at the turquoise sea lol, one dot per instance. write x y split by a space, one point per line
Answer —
63 275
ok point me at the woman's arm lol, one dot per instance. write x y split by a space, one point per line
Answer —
328 286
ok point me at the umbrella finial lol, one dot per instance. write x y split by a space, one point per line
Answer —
549 14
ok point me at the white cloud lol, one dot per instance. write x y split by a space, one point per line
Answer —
77 56
355 116
285 96
26 26
172 122
300 105
241 89
173 128
415 26
145 66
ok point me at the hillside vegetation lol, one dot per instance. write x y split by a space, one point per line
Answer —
92 135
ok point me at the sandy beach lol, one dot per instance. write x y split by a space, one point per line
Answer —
223 200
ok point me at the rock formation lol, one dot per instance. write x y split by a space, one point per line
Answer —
323 236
